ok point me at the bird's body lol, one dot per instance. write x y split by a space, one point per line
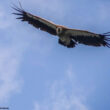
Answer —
67 37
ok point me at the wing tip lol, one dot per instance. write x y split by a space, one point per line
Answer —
106 39
19 12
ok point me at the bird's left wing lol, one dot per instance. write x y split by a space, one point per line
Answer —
36 21
89 38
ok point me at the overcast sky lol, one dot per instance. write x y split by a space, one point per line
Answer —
36 73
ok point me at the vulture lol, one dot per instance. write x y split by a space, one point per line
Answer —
66 36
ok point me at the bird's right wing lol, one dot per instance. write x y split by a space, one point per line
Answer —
36 21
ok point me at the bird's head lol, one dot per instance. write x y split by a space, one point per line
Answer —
59 30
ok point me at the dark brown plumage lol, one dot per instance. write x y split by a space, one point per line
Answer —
67 37
34 20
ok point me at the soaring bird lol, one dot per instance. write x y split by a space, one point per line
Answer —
66 36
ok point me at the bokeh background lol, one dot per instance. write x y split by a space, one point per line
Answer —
36 73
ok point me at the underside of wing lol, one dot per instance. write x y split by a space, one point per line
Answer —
89 38
36 21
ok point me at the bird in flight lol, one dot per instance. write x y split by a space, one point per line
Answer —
66 36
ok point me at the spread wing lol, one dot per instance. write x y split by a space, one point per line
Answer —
36 21
89 38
